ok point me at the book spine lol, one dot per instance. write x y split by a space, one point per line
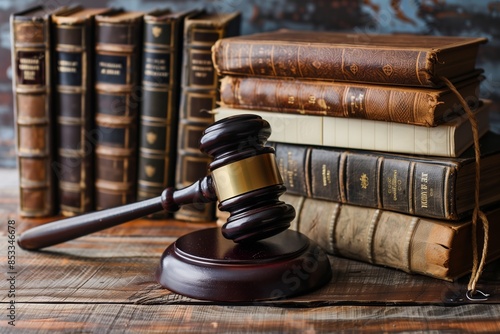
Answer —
117 87
74 53
374 102
200 85
323 62
161 61
445 140
369 179
429 247
32 110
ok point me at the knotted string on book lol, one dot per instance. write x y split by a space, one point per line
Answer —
478 264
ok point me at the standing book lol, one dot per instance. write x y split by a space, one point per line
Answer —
408 60
118 50
199 96
161 70
74 94
32 90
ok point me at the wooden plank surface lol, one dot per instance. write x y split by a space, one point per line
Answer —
118 318
121 270
105 283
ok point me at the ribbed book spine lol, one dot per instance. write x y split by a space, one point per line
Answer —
407 105
430 247
161 65
31 63
117 65
199 96
74 93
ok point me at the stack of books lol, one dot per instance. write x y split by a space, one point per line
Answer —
375 149
97 96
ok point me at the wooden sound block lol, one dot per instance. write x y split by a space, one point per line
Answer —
205 265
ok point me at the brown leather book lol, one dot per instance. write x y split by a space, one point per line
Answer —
409 60
199 94
161 65
431 247
32 90
74 95
409 105
432 187
117 64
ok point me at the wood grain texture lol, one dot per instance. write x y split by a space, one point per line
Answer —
116 318
105 283
120 269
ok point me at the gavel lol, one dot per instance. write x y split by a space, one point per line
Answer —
254 256
243 176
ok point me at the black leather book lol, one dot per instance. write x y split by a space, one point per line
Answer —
73 96
199 96
435 187
161 70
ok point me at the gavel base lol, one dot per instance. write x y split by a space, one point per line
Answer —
205 265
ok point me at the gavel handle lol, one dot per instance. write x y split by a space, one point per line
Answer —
70 228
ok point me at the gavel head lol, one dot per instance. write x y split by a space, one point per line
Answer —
246 178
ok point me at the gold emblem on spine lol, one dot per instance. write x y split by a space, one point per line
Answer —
364 181
388 70
151 138
354 68
150 171
246 175
156 31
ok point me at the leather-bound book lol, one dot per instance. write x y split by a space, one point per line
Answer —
431 187
431 247
32 90
408 105
400 59
118 50
449 139
161 70
198 97
74 94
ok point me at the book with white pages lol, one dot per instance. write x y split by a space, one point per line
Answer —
448 140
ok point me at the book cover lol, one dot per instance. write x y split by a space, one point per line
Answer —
118 50
399 59
198 97
449 139
433 187
74 93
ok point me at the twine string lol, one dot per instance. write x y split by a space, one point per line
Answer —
478 264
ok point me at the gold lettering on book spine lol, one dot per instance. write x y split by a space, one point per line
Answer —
424 178
394 185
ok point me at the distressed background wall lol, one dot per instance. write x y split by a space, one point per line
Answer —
434 17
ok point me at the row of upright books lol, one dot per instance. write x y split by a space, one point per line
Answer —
110 104
373 144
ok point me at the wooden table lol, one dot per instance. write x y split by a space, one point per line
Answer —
105 283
